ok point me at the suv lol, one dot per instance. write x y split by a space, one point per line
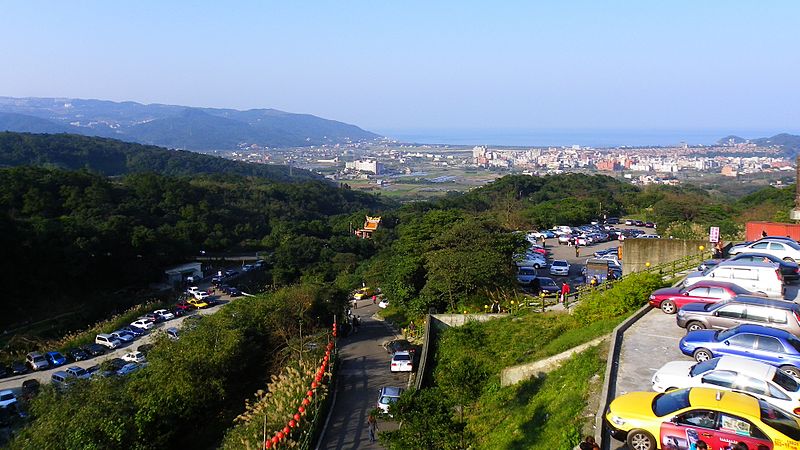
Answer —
759 277
739 310
107 340
36 361
772 346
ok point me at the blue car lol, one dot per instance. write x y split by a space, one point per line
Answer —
55 359
772 346
135 331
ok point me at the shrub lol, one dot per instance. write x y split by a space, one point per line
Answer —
627 295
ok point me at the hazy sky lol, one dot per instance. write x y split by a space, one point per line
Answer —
388 65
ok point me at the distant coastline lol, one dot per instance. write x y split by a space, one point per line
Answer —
566 138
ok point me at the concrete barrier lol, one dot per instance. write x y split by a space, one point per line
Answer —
515 374
636 253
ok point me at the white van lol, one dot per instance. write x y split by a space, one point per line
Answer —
757 277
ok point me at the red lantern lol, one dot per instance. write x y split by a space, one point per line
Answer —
279 435
297 416
318 378
301 409
275 439
310 393
305 401
313 385
286 430
292 423
267 444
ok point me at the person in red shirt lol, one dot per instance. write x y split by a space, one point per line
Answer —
564 291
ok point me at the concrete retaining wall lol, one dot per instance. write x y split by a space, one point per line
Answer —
637 252
522 372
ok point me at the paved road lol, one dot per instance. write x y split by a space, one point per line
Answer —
364 371
15 383
567 252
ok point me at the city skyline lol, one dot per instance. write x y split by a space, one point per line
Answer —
415 66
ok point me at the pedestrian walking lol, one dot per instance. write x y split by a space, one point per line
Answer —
593 282
372 427
374 298
577 250
412 329
564 291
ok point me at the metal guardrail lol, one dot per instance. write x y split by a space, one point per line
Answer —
543 301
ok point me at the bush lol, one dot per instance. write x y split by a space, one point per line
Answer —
627 295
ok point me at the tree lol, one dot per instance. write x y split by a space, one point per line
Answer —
427 422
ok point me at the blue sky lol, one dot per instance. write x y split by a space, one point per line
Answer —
402 65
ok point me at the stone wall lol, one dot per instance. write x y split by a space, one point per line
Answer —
637 252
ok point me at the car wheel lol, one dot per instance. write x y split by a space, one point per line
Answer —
702 354
694 326
641 440
790 370
668 307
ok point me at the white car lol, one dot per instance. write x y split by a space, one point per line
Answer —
734 374
383 304
164 314
144 324
387 396
560 267
784 249
530 259
192 290
137 357
401 362
201 295
107 340
7 398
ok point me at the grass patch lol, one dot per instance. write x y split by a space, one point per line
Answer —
542 413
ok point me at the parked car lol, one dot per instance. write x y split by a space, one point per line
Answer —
198 304
364 292
153 317
649 420
184 306
143 324
4 371
234 292
560 267
548 285
77 372
789 269
55 359
30 388
19 368
61 379
383 304
538 250
649 225
7 398
137 357
709 263
192 290
36 361
740 310
113 365
386 396
145 348
135 331
530 259
164 314
670 300
107 340
769 345
785 249
758 277
172 333
732 373
400 345
638 223
123 336
94 349
128 369
77 354
401 362
201 295
525 275
564 239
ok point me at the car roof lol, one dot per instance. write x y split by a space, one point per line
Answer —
712 283
391 390
774 302
782 240
729 401
750 367
770 265
760 329
401 353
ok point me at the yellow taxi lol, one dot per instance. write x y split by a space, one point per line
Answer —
197 303
363 293
678 419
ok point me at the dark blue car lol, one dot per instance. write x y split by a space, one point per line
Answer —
55 359
135 331
772 346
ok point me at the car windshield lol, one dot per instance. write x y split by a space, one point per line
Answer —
779 420
385 400
560 263
727 334
402 357
527 272
546 282
670 402
703 367
788 383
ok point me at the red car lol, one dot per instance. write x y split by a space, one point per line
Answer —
670 300
539 250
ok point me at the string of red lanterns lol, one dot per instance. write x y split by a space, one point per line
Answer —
294 422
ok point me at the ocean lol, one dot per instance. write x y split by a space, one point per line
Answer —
584 138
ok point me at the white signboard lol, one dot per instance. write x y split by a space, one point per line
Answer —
713 235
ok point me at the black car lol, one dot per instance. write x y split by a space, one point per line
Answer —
94 349
18 368
400 345
548 285
30 388
789 269
113 364
144 348
77 354
233 292
638 223
135 331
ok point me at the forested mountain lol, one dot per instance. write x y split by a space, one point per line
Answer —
174 126
789 142
112 157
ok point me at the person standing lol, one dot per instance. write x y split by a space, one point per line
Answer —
577 249
564 291
372 427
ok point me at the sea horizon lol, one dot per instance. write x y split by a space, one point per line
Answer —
598 138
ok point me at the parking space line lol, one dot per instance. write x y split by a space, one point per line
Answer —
661 337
